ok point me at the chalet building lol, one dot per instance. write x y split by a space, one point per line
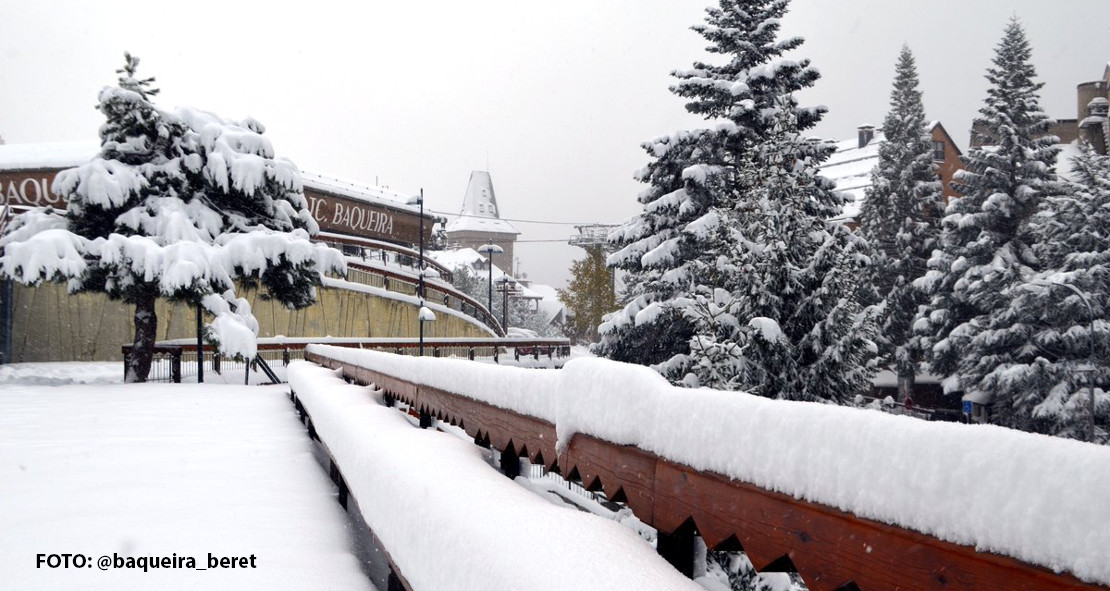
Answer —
480 222
851 165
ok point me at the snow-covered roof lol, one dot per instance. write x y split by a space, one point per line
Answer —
51 155
549 306
459 257
47 154
360 191
850 168
479 211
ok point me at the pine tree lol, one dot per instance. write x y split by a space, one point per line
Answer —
733 250
900 218
648 329
688 178
986 249
786 315
176 205
589 295
1048 387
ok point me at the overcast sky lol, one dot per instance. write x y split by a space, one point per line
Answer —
553 98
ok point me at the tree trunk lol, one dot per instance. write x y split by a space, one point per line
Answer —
146 329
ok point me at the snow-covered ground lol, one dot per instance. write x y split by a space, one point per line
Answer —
165 472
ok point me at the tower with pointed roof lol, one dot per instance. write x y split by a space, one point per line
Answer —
480 222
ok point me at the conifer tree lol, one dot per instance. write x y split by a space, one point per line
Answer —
176 205
1049 387
986 249
733 246
589 295
785 322
900 218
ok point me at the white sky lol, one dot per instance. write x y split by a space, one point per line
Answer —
555 97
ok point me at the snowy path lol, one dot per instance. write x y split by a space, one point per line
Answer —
450 521
157 470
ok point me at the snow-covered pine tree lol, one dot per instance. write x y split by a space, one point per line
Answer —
685 178
176 205
648 329
900 218
733 240
1048 388
785 311
986 245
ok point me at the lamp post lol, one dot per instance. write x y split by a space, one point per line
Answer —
1091 348
489 250
425 315
505 281
200 346
421 201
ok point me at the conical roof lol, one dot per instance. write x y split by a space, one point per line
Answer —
479 211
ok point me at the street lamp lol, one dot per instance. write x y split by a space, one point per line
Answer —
505 281
421 201
489 250
1090 345
425 315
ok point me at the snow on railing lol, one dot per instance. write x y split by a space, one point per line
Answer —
1038 499
449 521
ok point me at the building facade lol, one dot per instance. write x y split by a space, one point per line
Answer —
850 167
480 222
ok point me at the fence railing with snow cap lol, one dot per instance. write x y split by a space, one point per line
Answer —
177 358
850 498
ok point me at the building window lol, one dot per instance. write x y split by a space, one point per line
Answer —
938 151
481 208
492 210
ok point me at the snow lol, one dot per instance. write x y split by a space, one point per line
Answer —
47 155
479 210
768 328
359 191
408 299
850 168
469 223
1033 497
151 470
488 531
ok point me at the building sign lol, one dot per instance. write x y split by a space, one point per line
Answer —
28 188
31 188
352 217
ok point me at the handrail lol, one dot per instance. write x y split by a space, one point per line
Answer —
332 238
486 316
830 548
446 292
293 348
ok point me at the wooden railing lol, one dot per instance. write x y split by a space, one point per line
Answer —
434 291
377 250
176 358
439 291
830 548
